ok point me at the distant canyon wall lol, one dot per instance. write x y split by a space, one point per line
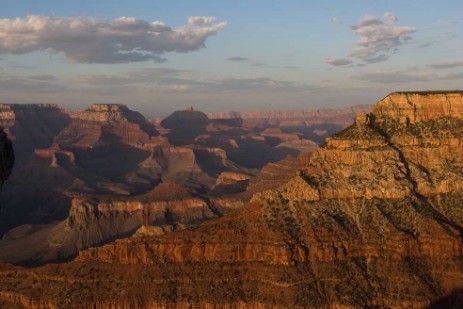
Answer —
313 114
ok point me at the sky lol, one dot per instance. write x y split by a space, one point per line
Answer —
251 55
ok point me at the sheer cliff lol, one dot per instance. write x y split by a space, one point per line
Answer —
373 220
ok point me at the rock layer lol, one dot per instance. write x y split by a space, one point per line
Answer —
71 163
371 221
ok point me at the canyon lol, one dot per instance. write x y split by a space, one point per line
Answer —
371 219
85 178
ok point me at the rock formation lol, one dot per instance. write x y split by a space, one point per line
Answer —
373 220
322 115
83 177
315 125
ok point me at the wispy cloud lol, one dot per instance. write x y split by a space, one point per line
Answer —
246 60
402 77
174 80
377 38
139 76
237 58
390 17
30 85
89 40
446 65
337 61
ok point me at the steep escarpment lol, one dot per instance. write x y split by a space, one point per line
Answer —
74 162
94 220
61 151
104 121
32 126
413 107
372 220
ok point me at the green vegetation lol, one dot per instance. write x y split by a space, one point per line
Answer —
358 132
442 127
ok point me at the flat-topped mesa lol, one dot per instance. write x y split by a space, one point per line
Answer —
11 111
88 127
359 135
408 118
28 106
407 136
42 117
108 108
103 113
412 107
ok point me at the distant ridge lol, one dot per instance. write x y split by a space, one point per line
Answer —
290 114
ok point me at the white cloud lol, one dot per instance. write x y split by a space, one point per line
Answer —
89 40
201 20
377 38
390 17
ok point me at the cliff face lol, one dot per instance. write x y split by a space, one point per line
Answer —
420 106
372 220
71 161
100 122
32 126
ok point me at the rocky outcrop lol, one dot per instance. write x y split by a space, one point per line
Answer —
184 126
96 220
276 174
100 122
229 182
413 107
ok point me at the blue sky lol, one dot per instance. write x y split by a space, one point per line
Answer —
253 55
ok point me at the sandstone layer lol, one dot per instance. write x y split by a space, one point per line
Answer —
372 221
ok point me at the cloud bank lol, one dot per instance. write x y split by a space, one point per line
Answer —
89 40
